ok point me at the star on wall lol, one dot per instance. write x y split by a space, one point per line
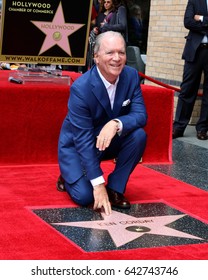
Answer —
124 228
57 31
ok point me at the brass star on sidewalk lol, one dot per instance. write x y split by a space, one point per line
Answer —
57 31
124 228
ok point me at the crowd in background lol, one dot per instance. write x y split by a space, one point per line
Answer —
124 16
131 23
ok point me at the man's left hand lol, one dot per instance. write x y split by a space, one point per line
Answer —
106 135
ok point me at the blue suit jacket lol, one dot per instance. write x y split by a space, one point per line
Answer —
88 111
197 29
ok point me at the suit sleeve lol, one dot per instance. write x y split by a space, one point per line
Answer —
83 132
136 115
193 8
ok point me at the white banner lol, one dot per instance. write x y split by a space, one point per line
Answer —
103 269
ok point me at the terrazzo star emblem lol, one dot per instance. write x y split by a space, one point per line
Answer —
124 228
57 31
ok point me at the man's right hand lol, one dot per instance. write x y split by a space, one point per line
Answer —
101 199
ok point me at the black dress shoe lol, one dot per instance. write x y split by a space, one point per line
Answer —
202 135
118 200
60 184
177 133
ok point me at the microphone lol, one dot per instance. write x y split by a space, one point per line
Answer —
14 80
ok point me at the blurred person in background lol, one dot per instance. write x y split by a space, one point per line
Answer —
195 55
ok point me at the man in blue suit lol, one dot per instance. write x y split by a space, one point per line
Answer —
105 120
196 61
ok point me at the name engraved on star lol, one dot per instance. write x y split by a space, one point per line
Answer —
129 227
136 222
145 221
59 27
107 224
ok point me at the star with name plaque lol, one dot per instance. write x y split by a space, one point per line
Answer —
145 225
45 32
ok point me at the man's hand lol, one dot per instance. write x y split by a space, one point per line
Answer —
96 31
197 17
106 135
101 199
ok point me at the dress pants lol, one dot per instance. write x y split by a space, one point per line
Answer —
189 90
128 151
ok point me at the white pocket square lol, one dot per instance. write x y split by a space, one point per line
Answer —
126 102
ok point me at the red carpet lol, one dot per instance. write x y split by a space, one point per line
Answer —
31 120
25 236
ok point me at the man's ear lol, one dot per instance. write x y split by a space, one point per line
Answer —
96 59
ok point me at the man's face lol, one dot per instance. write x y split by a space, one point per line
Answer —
111 58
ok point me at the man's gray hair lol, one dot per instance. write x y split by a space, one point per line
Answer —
103 35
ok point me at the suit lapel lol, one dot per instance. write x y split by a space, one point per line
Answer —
100 92
119 97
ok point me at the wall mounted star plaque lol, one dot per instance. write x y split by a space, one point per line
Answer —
45 32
